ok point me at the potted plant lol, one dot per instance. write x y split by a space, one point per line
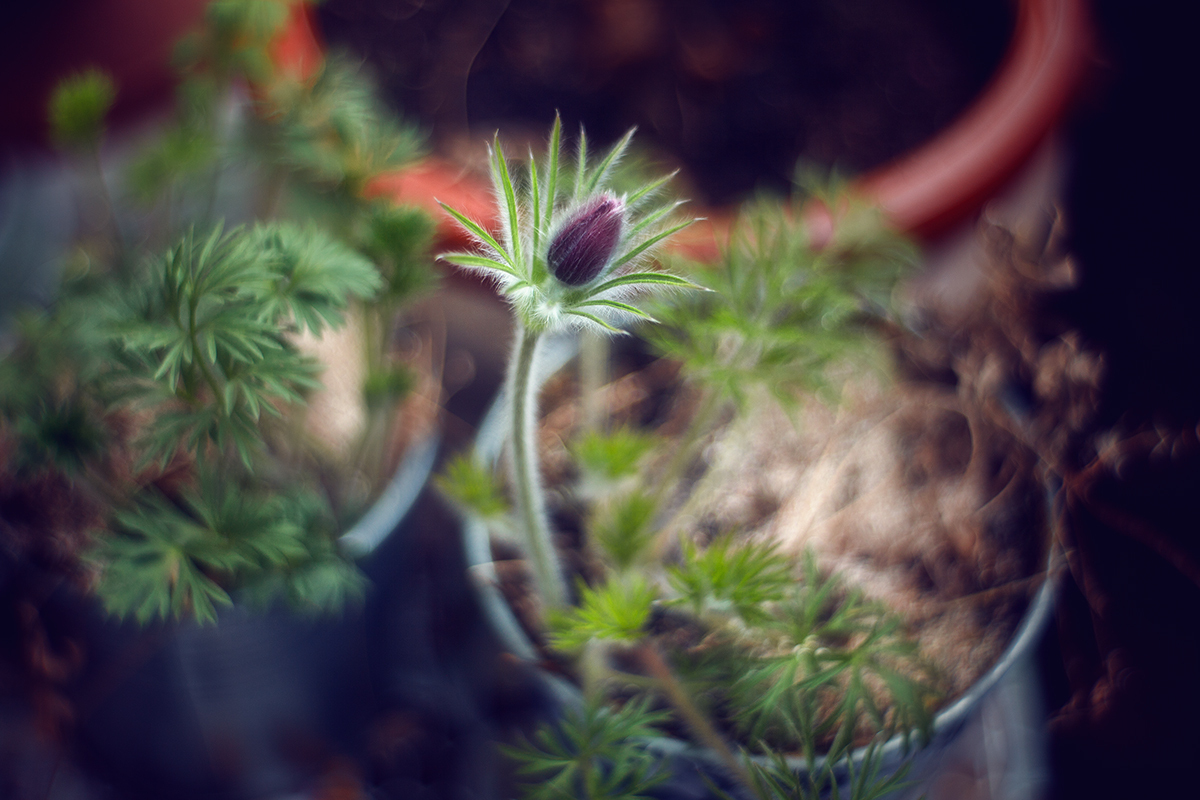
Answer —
232 401
987 146
178 337
166 442
763 660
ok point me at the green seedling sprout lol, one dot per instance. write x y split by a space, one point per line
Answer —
571 254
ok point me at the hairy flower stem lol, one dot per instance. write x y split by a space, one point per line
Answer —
678 697
530 499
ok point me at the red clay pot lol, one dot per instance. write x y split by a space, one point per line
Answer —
922 193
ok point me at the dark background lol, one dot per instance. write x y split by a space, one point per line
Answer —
735 92
1129 668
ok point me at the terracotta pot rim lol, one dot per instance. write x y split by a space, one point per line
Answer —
922 193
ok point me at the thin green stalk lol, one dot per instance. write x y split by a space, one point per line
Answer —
168 217
377 329
678 697
213 187
593 668
703 420
205 373
530 500
211 192
272 194
371 448
110 208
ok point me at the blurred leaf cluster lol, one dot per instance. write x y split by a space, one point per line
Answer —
595 752
79 106
162 386
782 310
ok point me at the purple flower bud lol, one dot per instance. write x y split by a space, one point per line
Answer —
581 249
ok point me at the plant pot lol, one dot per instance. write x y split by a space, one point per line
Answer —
1002 692
220 710
926 192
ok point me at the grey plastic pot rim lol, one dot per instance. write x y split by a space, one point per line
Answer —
891 754
394 502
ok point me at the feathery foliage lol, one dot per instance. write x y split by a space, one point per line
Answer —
831 657
203 352
775 779
333 131
78 108
596 752
725 578
608 456
313 277
617 612
473 487
781 311
206 341
47 400
165 556
234 40
163 390
623 529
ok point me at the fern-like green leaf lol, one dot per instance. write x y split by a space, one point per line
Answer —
596 752
155 565
836 657
611 455
623 529
617 611
781 311
203 338
400 241
725 578
473 487
336 132
838 777
313 276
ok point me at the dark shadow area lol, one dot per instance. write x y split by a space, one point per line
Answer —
1124 664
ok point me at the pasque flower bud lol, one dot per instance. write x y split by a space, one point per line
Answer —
581 249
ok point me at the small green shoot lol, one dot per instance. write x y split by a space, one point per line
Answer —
609 456
725 578
79 108
595 752
623 529
473 487
616 612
